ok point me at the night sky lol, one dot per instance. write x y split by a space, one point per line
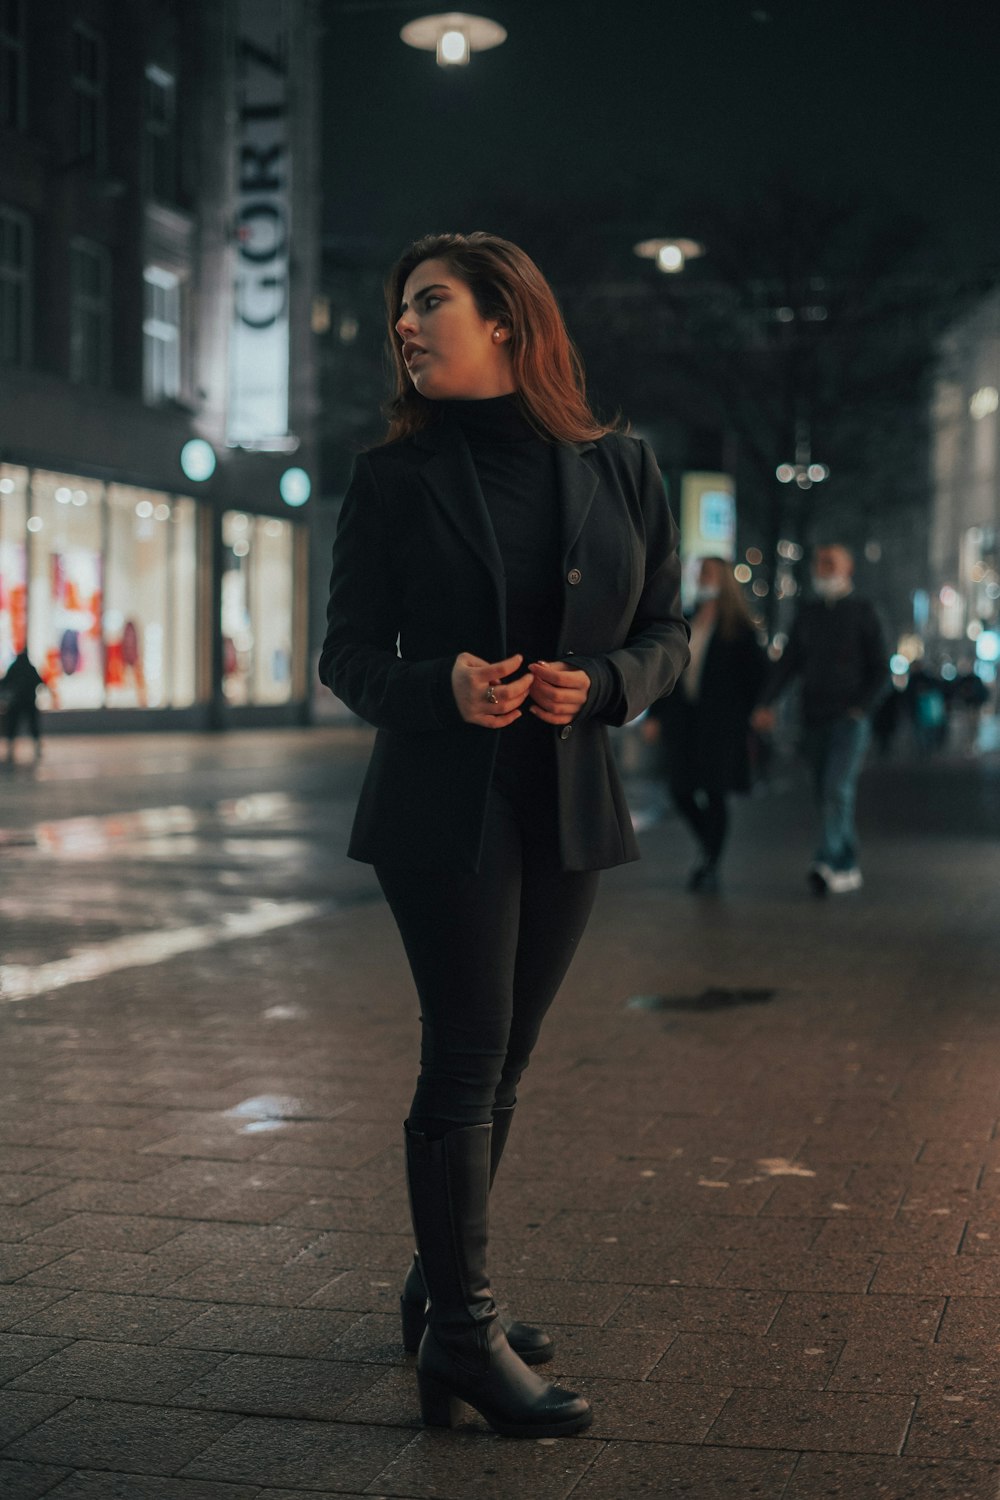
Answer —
898 98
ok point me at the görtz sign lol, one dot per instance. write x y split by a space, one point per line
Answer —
259 344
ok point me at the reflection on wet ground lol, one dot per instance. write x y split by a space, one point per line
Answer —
24 982
101 890
85 836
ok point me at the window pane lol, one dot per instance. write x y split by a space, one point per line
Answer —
136 609
237 631
15 271
66 587
183 563
271 560
13 562
90 315
161 335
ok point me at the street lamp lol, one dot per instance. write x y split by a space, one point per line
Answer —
453 36
671 256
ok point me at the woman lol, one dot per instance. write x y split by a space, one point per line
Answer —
705 725
504 585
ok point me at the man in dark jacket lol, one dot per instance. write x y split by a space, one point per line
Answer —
18 689
837 651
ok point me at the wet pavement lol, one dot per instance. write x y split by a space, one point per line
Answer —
764 1228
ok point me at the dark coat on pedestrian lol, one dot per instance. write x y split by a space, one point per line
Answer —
21 682
417 579
837 649
705 740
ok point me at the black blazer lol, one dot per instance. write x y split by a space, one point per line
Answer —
417 579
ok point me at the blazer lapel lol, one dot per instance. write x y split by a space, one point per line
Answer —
578 483
450 475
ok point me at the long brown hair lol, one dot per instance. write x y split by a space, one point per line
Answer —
506 285
733 616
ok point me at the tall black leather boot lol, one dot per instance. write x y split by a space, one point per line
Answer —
464 1354
533 1344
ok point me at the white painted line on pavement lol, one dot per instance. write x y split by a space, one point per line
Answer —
139 949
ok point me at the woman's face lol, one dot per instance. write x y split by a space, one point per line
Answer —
451 353
710 576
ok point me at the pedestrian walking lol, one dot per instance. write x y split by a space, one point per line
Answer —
836 650
505 585
704 727
18 694
924 696
966 698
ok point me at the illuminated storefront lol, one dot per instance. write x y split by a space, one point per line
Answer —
109 587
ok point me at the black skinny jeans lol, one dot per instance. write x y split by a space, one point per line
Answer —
488 953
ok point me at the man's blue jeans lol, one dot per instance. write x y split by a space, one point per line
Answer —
835 752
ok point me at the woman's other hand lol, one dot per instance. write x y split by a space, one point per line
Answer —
482 696
558 691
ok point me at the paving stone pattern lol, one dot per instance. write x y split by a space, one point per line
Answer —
765 1238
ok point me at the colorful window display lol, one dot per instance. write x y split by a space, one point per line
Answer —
100 582
257 613
65 589
150 600
13 563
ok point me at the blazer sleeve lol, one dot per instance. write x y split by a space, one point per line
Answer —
655 651
359 661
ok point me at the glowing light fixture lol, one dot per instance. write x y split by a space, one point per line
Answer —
295 486
671 256
198 460
988 646
985 401
453 36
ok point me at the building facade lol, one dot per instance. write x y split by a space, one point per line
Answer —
961 610
158 266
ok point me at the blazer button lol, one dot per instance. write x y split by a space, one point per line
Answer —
574 576
565 731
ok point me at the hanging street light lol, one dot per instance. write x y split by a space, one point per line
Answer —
453 36
671 256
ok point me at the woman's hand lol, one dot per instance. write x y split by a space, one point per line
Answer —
558 691
481 695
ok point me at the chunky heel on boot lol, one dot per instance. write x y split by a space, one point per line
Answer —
438 1407
464 1355
413 1321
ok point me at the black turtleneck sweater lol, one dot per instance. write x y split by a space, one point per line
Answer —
517 474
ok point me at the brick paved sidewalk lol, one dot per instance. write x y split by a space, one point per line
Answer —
765 1237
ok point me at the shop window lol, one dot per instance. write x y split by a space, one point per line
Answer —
65 600
150 600
183 622
15 287
272 566
161 332
89 102
160 140
13 562
90 313
257 617
13 70
136 599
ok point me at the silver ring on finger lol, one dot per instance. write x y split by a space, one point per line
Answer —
491 696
